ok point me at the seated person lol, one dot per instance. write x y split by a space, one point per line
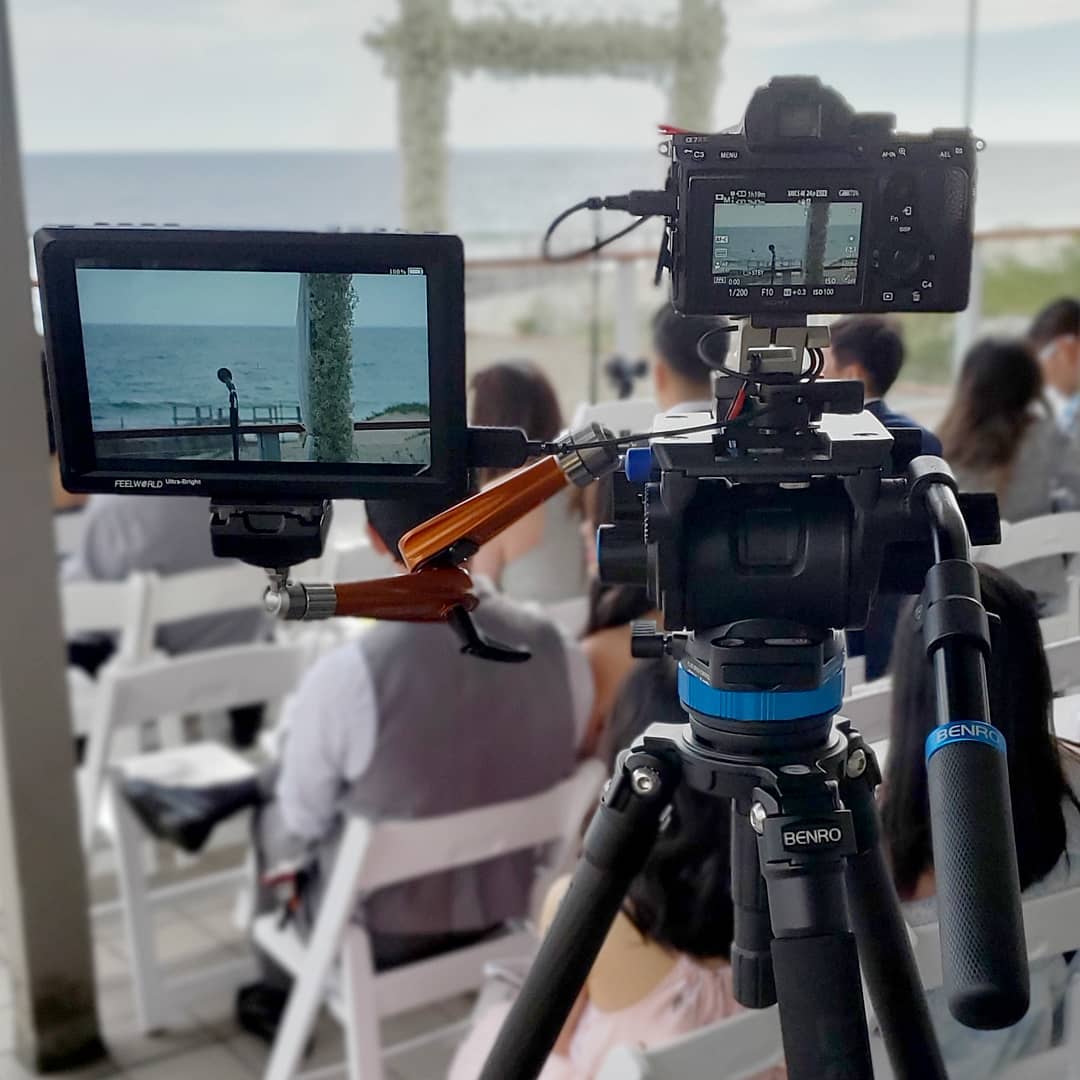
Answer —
400 723
681 379
1043 777
539 557
999 437
869 348
1054 337
664 969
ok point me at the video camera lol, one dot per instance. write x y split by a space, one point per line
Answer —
812 207
275 371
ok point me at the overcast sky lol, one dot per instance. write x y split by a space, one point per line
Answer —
235 298
241 74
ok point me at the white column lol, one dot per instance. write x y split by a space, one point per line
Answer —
966 322
42 876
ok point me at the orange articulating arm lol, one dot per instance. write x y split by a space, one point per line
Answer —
457 533
437 590
464 528
429 596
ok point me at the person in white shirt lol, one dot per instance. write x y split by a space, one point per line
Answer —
680 376
400 723
1055 338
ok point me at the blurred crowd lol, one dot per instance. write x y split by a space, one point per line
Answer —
398 723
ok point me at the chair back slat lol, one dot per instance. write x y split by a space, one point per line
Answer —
403 850
211 591
1036 538
201 682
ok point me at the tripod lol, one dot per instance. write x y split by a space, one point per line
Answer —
812 893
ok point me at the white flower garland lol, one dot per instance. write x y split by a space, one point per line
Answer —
427 44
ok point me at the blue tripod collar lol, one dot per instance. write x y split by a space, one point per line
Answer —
756 706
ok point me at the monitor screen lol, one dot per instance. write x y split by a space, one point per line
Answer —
257 366
809 242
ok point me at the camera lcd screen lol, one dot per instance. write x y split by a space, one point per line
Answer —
244 365
808 242
256 366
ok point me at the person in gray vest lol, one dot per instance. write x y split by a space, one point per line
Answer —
399 723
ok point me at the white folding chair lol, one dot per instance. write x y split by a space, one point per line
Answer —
118 608
1049 536
115 608
374 855
68 529
193 594
739 1047
1063 658
1052 927
869 706
199 682
209 592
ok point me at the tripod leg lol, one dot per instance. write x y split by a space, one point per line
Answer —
616 846
751 959
805 837
888 963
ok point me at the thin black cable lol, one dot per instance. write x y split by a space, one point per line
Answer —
703 352
619 440
580 253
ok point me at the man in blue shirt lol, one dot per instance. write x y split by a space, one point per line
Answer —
869 348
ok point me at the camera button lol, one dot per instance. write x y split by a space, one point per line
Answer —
904 261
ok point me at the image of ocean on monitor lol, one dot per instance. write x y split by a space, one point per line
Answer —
813 242
257 366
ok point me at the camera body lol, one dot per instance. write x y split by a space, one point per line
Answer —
810 207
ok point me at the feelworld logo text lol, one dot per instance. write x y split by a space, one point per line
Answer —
156 485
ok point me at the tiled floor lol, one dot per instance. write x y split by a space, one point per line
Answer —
207 1044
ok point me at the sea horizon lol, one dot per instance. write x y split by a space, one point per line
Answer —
499 199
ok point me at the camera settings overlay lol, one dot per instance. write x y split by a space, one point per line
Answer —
807 244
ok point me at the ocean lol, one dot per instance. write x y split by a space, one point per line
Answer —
136 374
500 200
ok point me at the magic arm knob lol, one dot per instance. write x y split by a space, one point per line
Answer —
983 951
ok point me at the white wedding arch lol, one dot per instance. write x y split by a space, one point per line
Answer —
428 44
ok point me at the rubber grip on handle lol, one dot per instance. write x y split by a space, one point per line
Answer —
983 950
